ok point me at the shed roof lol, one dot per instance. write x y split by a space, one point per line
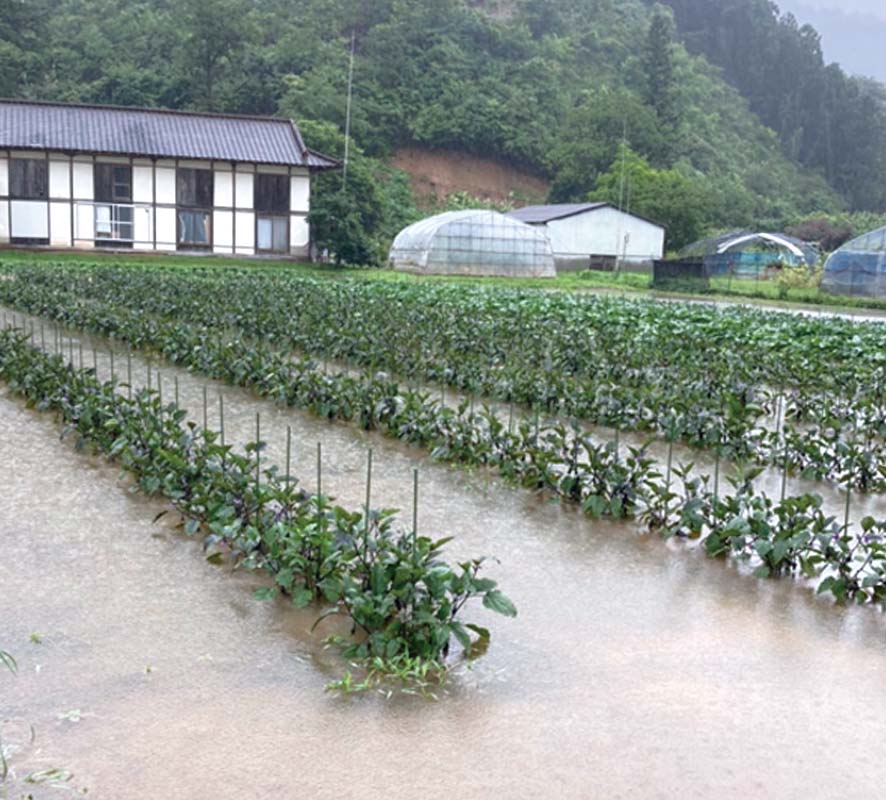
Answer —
536 214
156 133
539 215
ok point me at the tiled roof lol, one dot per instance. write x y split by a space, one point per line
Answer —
155 133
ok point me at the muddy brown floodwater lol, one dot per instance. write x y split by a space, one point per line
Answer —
634 670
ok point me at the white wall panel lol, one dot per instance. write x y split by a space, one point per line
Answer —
84 223
224 189
4 176
602 232
223 230
299 233
166 229
143 219
4 221
300 193
244 192
60 181
30 218
245 233
165 187
142 185
83 181
60 224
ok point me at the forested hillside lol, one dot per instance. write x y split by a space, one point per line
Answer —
552 86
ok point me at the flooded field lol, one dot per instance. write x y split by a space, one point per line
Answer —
635 669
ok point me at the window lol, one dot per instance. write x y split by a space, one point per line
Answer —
273 234
193 187
271 193
113 183
194 229
193 191
113 212
28 179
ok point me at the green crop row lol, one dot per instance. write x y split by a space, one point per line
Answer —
391 583
793 536
703 393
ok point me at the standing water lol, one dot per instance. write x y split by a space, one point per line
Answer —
633 670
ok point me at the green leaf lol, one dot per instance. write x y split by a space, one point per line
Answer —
265 593
496 601
460 634
302 597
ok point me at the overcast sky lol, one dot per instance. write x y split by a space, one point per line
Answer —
875 8
853 32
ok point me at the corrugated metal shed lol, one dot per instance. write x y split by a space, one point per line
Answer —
155 133
541 215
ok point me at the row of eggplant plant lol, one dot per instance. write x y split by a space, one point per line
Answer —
403 601
712 378
790 536
463 434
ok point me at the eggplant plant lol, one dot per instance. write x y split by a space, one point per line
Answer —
402 598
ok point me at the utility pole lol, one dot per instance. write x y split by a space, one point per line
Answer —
344 174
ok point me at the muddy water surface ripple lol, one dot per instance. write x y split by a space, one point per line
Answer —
634 670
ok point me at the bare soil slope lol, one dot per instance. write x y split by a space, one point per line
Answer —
436 174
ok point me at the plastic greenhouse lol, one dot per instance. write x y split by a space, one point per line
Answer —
858 267
748 255
475 242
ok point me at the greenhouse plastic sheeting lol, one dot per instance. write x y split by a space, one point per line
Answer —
748 255
473 243
858 267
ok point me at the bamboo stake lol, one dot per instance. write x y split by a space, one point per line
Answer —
129 372
81 355
717 474
257 449
175 382
319 482
111 353
368 491
42 335
221 417
670 464
288 455
160 391
414 509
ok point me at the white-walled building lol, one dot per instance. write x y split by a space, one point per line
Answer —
583 234
77 176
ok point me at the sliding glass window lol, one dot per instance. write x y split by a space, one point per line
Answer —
193 189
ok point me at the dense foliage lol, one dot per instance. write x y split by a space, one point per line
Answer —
824 119
549 87
792 536
806 394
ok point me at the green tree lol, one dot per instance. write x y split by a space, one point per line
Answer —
672 197
215 34
658 63
356 221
